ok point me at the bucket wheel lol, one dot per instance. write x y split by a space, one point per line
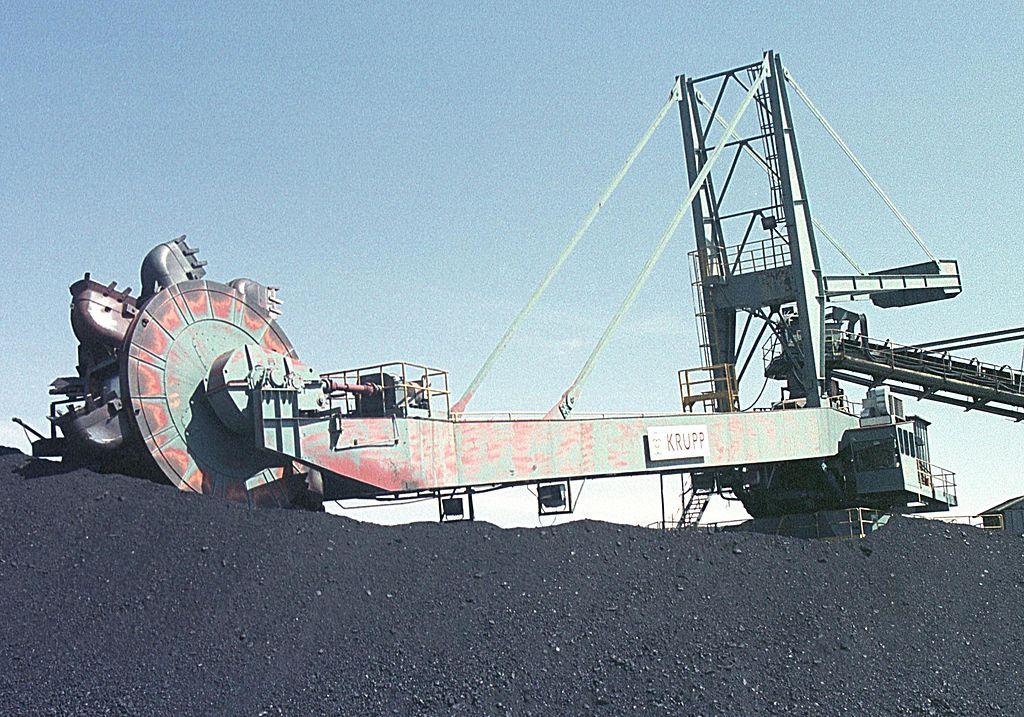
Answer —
170 347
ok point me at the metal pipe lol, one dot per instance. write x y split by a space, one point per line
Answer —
333 386
29 428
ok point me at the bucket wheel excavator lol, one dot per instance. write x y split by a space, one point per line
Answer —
194 382
140 402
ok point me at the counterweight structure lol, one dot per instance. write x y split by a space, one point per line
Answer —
195 382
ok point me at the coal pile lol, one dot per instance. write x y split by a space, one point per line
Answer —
126 597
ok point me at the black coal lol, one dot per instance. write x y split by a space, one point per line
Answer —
126 597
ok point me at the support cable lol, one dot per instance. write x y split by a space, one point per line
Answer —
460 406
568 399
856 162
835 242
765 166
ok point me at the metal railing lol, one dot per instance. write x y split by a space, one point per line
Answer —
855 523
987 521
1003 378
845 404
936 481
839 403
408 389
771 253
743 258
709 387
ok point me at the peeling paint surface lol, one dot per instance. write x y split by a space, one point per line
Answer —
416 454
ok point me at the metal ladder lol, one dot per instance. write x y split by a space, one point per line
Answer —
694 505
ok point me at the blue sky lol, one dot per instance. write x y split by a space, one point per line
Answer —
406 172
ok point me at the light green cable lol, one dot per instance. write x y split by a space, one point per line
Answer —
764 165
568 399
460 406
856 162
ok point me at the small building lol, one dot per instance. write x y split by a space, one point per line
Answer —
1008 515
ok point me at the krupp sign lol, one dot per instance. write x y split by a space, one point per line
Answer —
673 442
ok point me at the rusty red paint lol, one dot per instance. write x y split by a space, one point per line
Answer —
460 406
221 304
198 302
381 474
206 482
178 461
141 353
169 317
157 417
420 454
321 437
522 451
150 380
253 322
494 450
272 343
471 450
570 440
739 432
363 389
192 479
378 471
450 460
586 442
158 441
628 440
180 304
543 461
152 337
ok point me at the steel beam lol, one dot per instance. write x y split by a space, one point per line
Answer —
401 454
864 286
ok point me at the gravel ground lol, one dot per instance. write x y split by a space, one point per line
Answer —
127 597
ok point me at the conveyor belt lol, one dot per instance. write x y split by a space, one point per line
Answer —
927 373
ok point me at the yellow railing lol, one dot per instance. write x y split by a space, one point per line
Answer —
709 387
859 523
